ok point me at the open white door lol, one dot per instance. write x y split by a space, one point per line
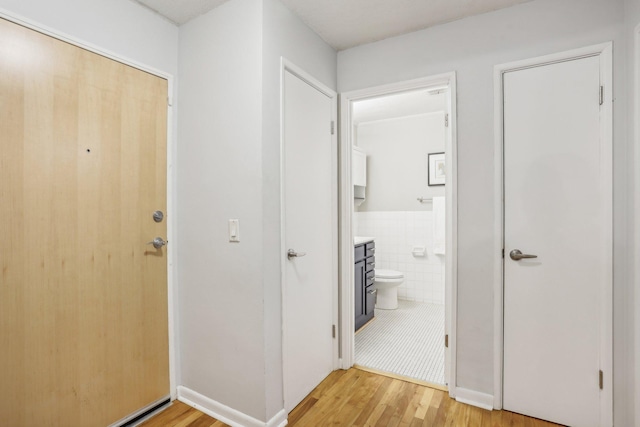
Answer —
310 233
557 207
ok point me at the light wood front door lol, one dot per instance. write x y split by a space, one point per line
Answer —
83 298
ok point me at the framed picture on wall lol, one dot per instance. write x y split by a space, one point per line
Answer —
436 169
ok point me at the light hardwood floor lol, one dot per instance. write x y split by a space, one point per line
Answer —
359 398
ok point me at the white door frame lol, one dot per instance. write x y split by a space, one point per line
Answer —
171 179
347 309
605 52
636 164
286 65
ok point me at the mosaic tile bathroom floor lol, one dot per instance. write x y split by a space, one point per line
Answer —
408 341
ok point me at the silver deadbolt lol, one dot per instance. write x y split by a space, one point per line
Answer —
158 216
158 242
517 255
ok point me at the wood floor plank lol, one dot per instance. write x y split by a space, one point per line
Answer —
436 399
401 403
355 398
443 410
189 419
412 408
182 415
337 398
495 420
425 403
373 402
517 420
378 411
349 413
430 417
385 418
329 382
476 415
301 409
204 421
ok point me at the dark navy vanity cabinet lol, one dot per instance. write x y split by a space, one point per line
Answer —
365 295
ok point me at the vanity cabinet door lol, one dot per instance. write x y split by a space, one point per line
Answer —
360 285
370 303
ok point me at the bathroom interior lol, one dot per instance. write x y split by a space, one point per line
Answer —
399 234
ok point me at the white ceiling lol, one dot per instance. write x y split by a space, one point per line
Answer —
398 105
347 23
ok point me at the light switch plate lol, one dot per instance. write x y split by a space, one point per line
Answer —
234 230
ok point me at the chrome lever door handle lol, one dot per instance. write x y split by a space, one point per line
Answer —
293 254
158 242
516 255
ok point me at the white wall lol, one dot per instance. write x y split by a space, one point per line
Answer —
284 35
221 305
472 47
397 152
230 299
119 26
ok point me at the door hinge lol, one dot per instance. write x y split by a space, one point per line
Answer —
601 95
446 120
446 340
333 331
169 103
601 380
333 127
502 252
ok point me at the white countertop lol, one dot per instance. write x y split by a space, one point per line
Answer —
358 240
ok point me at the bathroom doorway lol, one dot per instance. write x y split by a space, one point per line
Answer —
398 228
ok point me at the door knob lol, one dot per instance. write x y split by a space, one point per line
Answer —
158 242
293 254
516 255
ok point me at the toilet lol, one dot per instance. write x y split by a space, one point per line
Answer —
386 284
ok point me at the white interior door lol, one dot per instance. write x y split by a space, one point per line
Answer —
557 195
309 230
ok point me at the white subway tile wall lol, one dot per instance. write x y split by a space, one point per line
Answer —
396 234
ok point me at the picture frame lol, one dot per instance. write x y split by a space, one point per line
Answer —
436 169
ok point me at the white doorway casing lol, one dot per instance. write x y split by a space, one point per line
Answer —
636 225
309 225
603 53
347 342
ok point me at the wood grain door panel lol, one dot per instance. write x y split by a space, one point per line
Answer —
83 299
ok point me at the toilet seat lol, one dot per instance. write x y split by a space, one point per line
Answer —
388 274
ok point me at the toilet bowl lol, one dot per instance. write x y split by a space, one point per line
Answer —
386 284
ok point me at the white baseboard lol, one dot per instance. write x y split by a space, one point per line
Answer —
474 398
226 414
